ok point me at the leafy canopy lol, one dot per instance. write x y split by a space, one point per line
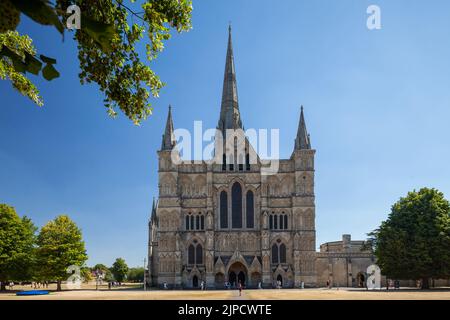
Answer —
60 246
17 237
110 31
119 269
136 274
414 242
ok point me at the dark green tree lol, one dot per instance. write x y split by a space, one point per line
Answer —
107 40
60 245
136 274
17 239
119 269
414 242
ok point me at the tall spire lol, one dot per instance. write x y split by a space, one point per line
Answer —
302 140
153 215
230 117
168 139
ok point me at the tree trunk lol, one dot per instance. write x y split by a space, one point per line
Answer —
58 285
425 283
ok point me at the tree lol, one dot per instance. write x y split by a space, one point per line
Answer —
86 274
17 238
110 31
60 246
136 274
119 269
413 243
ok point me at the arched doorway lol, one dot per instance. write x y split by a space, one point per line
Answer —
360 280
280 280
195 281
237 273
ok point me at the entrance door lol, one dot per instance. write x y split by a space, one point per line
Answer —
360 280
195 281
237 273
232 278
241 278
280 279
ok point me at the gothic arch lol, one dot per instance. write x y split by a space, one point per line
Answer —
279 272
195 252
237 257
195 273
279 251
236 206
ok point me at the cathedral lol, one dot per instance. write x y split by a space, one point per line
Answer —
228 223
229 220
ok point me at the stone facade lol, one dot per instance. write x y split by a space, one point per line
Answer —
343 263
228 222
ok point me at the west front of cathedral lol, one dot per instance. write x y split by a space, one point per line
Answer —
229 223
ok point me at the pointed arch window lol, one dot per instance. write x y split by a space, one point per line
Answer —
191 254
198 254
278 252
223 210
274 253
195 253
250 210
236 206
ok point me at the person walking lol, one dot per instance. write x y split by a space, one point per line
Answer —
240 288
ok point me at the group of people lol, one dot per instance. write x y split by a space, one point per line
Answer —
39 284
395 284
113 284
10 285
34 284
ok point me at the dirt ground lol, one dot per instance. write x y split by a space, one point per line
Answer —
135 292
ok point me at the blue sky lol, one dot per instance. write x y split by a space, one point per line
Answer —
377 105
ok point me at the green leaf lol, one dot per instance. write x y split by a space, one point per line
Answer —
49 72
33 65
47 59
40 11
18 64
102 33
